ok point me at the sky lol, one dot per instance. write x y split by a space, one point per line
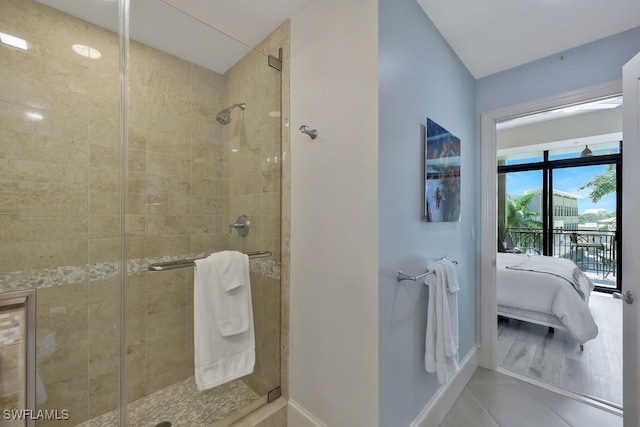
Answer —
568 180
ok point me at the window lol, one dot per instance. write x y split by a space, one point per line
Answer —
554 200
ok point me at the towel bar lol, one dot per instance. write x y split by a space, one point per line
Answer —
172 265
403 276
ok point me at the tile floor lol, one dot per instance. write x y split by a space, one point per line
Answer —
184 406
492 399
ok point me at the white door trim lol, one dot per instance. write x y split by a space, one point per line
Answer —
630 246
487 357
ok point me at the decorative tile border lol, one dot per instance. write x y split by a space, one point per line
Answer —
67 275
265 267
41 278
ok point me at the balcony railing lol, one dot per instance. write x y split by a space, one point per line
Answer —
593 251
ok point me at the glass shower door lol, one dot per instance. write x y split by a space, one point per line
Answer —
60 212
88 201
204 149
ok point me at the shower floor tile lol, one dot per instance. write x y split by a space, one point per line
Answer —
183 405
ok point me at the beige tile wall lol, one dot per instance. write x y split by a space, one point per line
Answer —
44 168
175 207
252 154
64 347
59 192
59 198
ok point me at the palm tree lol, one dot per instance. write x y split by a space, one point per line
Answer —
519 215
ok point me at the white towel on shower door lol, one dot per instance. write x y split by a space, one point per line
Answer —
224 341
441 342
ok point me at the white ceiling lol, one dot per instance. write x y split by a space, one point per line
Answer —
568 129
214 34
490 36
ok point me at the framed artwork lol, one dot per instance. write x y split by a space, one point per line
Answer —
442 174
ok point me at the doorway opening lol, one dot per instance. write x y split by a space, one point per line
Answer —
545 210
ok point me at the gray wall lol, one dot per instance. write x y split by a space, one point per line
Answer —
419 77
334 214
598 62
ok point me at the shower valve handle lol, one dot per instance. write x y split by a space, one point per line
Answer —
242 224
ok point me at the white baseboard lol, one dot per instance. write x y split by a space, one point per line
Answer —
297 416
439 406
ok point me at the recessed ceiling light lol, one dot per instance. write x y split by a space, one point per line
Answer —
32 115
13 41
234 150
86 51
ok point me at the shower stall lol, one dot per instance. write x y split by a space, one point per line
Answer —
130 135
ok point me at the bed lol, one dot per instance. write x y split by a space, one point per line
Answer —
547 291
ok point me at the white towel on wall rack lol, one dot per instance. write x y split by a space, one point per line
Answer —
441 343
224 340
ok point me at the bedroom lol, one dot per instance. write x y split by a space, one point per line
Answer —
558 322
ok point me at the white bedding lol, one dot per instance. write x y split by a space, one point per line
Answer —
546 293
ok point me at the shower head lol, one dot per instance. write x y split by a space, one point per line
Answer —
224 116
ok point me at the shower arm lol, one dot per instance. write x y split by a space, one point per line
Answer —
313 134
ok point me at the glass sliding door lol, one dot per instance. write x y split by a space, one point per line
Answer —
569 199
584 207
520 207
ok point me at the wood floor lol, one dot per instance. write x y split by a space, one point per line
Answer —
556 358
